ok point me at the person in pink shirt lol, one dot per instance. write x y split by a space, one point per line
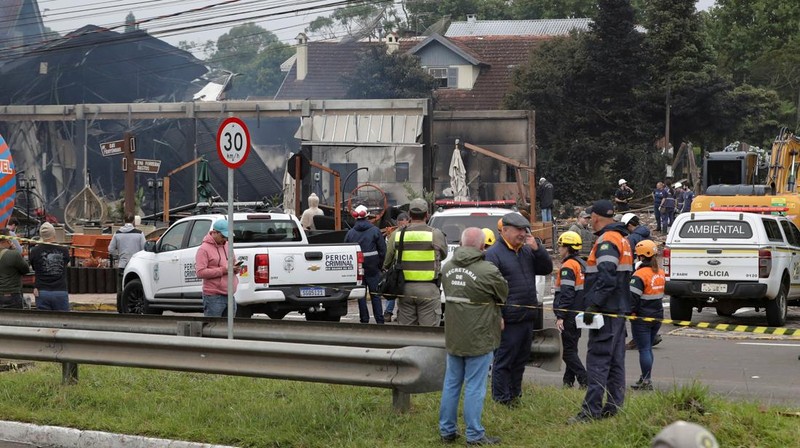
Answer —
211 265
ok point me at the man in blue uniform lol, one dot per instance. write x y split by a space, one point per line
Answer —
608 274
373 247
520 259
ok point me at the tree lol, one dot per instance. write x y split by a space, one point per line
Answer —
744 30
255 55
382 75
552 9
357 18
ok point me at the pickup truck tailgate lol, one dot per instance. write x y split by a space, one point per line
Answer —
313 265
719 263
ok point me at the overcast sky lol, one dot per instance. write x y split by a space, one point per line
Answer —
69 15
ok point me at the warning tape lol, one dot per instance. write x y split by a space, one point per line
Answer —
49 243
779 331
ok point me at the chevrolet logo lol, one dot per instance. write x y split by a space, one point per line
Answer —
313 268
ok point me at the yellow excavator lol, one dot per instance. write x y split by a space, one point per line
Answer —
730 181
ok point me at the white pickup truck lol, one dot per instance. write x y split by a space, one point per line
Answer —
281 273
730 260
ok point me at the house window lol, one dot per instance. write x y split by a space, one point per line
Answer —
401 172
445 77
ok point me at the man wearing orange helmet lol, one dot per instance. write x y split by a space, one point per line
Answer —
647 291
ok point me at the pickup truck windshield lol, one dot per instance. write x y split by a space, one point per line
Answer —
452 226
265 231
716 229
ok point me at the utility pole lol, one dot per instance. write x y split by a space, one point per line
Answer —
128 148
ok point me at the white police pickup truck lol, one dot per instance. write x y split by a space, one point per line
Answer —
453 221
281 271
730 260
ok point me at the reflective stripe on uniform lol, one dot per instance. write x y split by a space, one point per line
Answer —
651 296
371 254
456 299
419 257
568 282
636 291
608 259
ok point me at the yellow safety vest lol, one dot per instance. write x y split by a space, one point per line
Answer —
419 256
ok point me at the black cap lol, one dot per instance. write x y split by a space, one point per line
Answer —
514 219
603 207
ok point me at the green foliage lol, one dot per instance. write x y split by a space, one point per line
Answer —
251 412
552 9
382 75
412 194
255 55
357 18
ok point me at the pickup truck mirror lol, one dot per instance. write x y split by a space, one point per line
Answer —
150 246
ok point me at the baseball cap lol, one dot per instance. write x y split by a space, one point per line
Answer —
603 207
516 220
681 434
221 226
630 218
418 205
622 181
586 213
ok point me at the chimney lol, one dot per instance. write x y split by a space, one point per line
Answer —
472 18
392 43
302 56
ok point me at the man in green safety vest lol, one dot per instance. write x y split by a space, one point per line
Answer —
424 248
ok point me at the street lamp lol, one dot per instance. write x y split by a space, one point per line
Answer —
155 185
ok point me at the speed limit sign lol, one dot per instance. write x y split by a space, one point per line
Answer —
233 142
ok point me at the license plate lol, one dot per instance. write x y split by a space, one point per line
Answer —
312 292
713 287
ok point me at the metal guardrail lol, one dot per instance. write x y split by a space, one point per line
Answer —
404 370
404 358
545 351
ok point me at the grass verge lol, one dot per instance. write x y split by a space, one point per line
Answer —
252 412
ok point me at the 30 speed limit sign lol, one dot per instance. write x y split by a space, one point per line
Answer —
233 142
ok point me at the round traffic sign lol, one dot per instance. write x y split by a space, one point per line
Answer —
233 142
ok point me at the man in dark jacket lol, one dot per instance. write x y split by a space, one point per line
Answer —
472 289
12 268
636 231
520 259
49 261
373 247
608 275
545 196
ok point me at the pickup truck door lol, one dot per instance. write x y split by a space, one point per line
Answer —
192 285
168 272
793 238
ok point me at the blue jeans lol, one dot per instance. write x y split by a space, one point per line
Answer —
471 372
547 215
644 333
52 301
216 306
390 306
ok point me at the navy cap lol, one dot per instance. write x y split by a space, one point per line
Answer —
603 207
515 219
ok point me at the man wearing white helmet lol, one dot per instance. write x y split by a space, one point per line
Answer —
681 434
545 196
621 197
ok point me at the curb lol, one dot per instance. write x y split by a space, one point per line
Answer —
59 437
107 307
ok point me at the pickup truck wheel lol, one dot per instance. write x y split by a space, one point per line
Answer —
680 309
776 308
277 315
323 317
133 299
244 311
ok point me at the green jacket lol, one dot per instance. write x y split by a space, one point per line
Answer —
12 268
472 287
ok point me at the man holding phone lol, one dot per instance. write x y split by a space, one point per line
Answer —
211 264
520 258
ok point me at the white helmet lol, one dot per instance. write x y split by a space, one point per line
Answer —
622 182
681 434
630 218
542 180
678 185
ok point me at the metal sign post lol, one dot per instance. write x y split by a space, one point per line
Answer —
233 147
